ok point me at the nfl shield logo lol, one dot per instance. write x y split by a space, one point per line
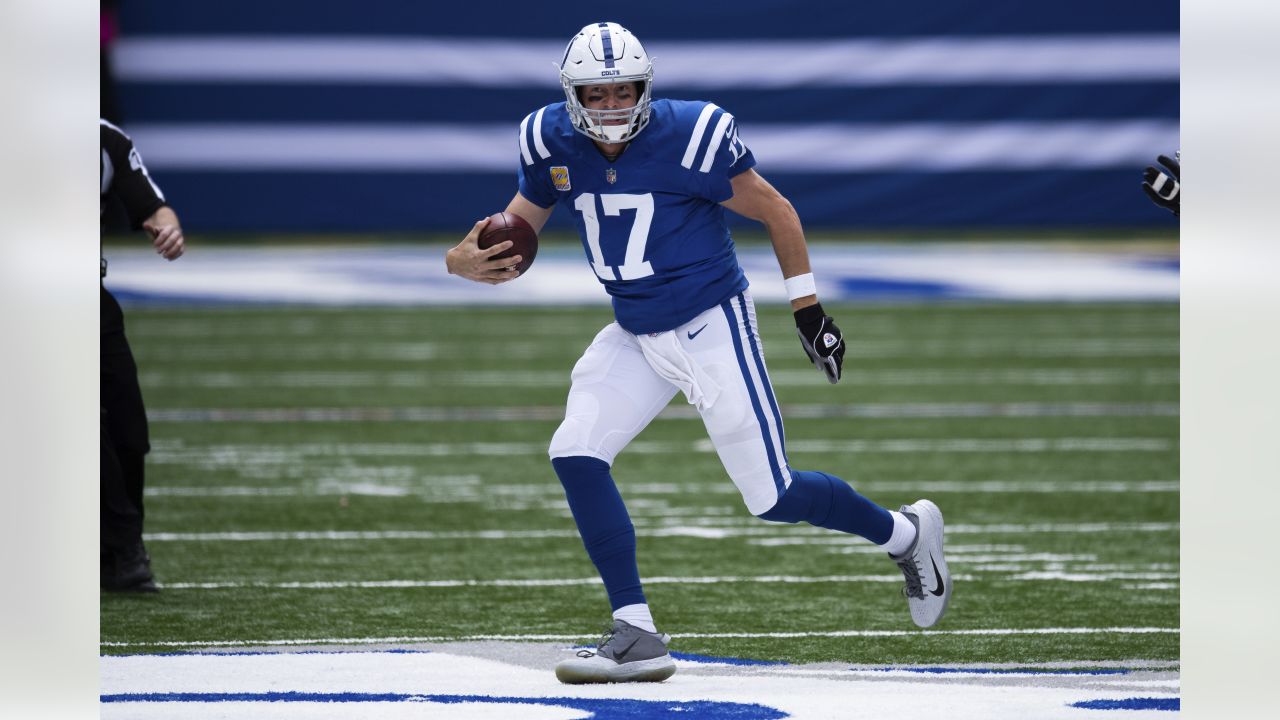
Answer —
560 178
611 175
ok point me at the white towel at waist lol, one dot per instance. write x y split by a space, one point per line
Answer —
670 360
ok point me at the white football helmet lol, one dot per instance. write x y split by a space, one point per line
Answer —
603 53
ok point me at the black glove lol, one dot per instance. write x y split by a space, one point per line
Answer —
1162 189
822 340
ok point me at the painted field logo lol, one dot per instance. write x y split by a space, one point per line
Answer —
600 708
560 178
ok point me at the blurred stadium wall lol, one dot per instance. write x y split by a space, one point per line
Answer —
384 115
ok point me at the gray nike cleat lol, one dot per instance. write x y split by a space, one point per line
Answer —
928 587
625 654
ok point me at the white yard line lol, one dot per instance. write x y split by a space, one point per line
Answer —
1034 576
544 582
992 632
230 379
673 412
784 533
242 455
455 488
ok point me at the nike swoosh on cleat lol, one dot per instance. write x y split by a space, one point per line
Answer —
697 332
621 653
937 592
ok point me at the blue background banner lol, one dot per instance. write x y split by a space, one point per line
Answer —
996 114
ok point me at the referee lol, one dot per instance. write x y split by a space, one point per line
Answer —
126 567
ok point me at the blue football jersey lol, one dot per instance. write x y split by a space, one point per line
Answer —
651 221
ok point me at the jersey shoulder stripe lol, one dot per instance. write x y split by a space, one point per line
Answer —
713 125
717 137
699 129
537 133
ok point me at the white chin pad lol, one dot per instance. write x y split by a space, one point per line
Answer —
615 133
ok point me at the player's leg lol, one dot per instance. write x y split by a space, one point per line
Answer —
123 445
614 395
746 428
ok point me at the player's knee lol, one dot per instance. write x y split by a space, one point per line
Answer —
807 499
571 468
571 439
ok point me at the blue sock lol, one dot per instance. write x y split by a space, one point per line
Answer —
827 501
604 525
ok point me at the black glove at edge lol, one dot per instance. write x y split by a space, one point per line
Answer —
822 341
1164 190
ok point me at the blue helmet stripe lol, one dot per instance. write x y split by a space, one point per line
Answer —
608 44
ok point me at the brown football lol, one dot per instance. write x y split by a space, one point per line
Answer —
509 226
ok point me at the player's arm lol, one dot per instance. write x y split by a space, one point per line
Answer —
754 198
143 201
534 215
467 260
130 180
166 233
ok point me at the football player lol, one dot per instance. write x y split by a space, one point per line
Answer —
647 183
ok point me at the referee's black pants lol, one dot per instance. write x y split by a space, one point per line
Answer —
123 423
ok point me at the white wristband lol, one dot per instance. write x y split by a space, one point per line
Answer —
800 286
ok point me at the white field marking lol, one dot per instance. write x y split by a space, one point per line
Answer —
1151 586
355 535
240 456
243 350
367 337
997 632
785 534
560 378
557 378
468 488
486 675
854 541
672 412
1063 528
323 488
1013 566
1030 486
329 648
1025 557
1040 347
747 521
1057 575
981 445
1027 576
544 582
1140 664
1106 567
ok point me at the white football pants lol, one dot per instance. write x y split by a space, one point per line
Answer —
623 381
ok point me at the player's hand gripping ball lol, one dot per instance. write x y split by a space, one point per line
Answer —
509 226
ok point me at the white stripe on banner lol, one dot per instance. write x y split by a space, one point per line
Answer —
496 62
824 148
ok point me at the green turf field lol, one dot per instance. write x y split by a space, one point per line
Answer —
305 459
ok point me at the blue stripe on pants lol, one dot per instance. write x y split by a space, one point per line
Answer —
758 355
734 331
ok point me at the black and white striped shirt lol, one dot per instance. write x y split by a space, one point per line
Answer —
124 176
